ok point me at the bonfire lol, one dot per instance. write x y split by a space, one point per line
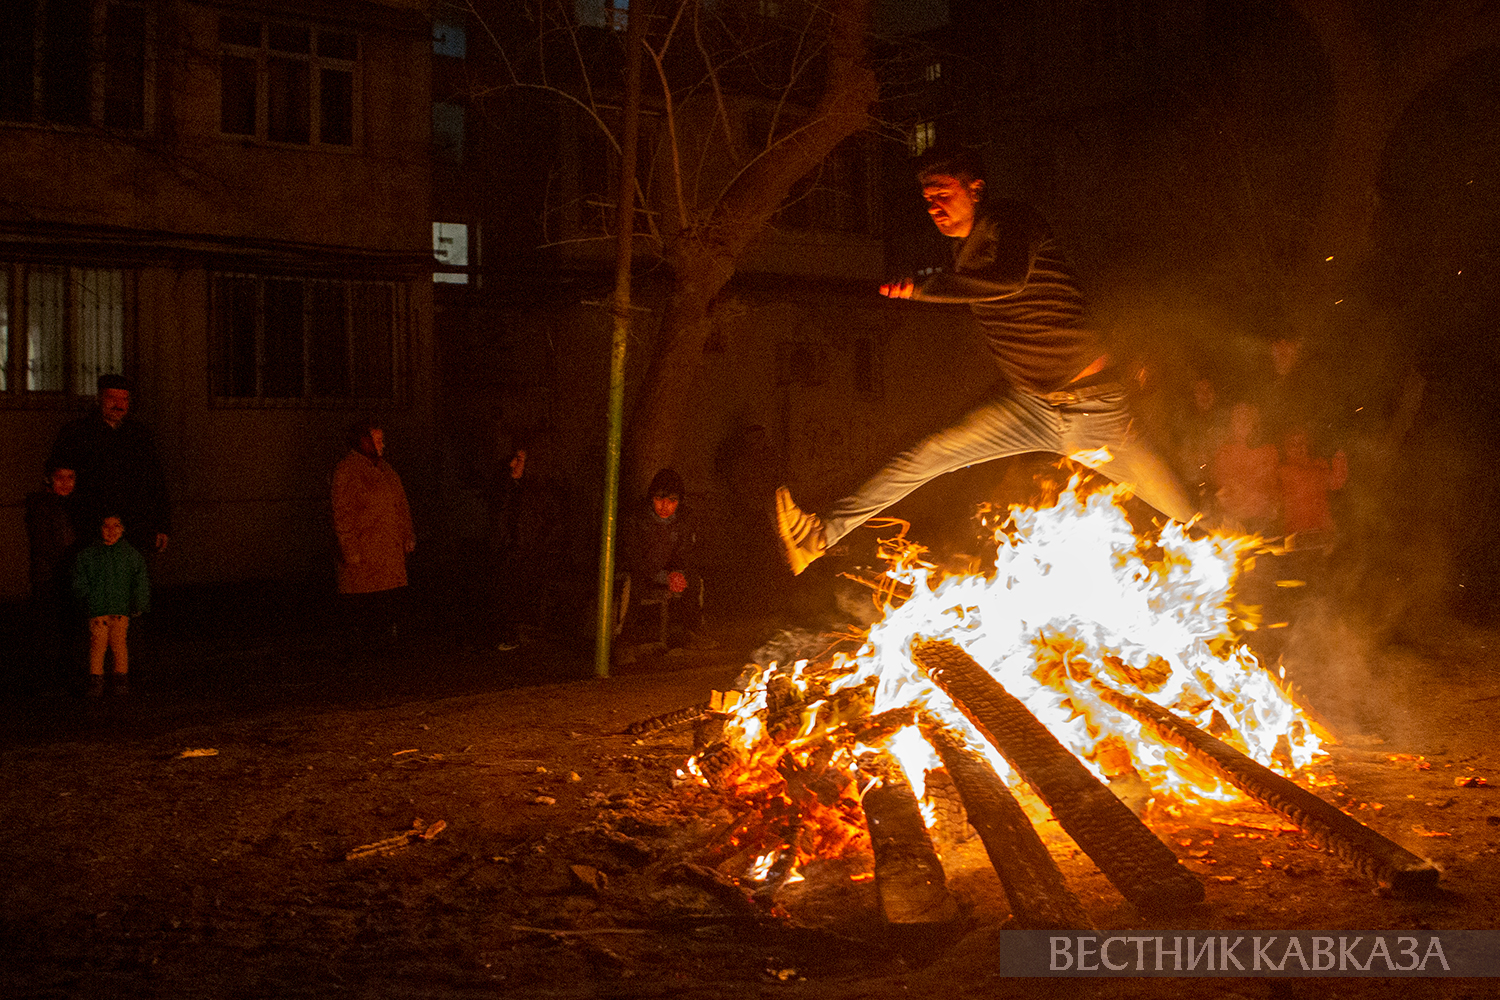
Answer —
1093 677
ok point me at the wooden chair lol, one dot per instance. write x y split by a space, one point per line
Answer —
651 598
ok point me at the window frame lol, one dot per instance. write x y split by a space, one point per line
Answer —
94 75
220 360
264 56
15 346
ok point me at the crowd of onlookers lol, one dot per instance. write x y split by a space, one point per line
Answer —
103 514
1271 461
103 518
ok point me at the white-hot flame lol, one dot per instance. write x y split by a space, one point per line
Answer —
1076 605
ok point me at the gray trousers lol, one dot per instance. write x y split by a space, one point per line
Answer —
1015 423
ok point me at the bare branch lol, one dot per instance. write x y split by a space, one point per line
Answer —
792 77
713 77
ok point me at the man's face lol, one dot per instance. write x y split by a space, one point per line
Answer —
665 507
518 464
62 481
112 530
113 405
951 203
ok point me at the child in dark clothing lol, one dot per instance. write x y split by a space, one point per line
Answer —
659 558
53 542
110 582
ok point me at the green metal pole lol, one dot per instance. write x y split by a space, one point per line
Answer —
635 32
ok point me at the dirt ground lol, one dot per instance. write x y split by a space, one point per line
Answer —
200 838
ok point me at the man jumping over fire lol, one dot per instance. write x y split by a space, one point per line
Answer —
1064 396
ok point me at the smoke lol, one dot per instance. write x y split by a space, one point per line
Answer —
790 645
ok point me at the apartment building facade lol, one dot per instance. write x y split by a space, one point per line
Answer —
227 203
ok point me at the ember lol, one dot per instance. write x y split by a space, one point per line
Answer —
1090 669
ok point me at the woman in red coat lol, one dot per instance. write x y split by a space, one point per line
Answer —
373 524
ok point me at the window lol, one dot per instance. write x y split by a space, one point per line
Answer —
308 339
66 62
448 131
286 83
833 197
923 138
61 327
450 246
617 14
449 36
933 72
612 14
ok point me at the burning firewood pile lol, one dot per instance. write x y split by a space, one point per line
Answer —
1092 682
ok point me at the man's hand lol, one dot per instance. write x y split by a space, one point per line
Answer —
676 581
899 289
161 541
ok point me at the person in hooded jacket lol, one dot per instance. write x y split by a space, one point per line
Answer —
659 557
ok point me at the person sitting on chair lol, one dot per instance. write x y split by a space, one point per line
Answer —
659 559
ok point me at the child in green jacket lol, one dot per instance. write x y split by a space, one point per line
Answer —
110 582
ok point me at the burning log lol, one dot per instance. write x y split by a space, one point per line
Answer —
1144 869
949 820
876 729
908 875
667 720
1370 853
1039 897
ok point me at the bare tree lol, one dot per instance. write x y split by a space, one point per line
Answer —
706 193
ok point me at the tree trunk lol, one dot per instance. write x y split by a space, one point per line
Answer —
703 256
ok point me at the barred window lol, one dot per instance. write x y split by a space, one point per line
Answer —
66 62
61 327
289 83
304 339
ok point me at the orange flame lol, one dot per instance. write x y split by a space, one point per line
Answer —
1076 602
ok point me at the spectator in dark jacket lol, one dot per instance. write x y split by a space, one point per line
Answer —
53 537
525 547
660 558
118 468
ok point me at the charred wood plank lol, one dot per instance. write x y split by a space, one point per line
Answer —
1144 869
909 878
950 820
666 720
1370 853
1039 895
873 730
